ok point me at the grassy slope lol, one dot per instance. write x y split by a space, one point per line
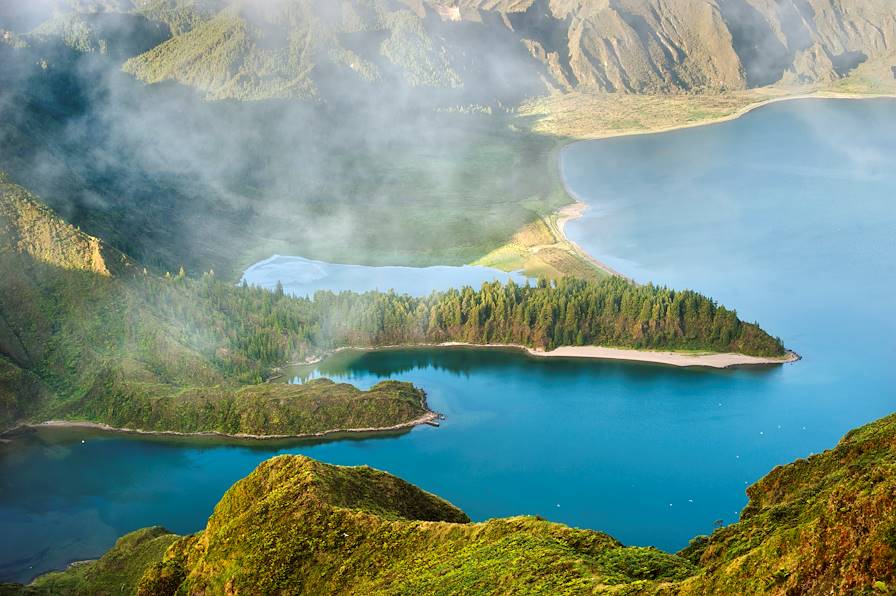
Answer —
116 572
320 529
314 407
131 350
822 525
540 249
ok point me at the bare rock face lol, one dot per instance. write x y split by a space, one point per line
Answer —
815 40
642 46
499 51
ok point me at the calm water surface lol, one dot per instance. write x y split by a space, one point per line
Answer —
303 277
787 214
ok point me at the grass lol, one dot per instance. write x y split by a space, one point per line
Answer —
116 572
826 524
267 410
582 115
540 249
822 524
299 525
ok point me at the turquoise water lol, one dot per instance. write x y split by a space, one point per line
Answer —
303 277
786 214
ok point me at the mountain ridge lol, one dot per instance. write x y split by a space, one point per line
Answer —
512 48
826 524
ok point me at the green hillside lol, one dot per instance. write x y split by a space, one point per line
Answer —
297 526
224 184
826 524
86 334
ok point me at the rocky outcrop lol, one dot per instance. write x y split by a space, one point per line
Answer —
29 227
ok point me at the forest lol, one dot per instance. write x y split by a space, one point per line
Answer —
269 328
81 334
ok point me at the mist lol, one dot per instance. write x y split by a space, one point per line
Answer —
359 132
173 176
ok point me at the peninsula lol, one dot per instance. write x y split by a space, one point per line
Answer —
99 339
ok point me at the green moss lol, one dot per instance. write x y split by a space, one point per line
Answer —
296 525
117 572
315 407
823 524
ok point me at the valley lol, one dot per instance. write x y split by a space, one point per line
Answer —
491 247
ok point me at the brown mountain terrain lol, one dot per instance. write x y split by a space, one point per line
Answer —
640 46
486 50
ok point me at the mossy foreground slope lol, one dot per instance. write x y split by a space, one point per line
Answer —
297 525
825 525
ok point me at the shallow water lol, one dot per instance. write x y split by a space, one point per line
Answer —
786 214
303 277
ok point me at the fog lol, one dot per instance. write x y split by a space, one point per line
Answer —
358 131
204 181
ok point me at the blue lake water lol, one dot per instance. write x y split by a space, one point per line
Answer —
303 277
786 214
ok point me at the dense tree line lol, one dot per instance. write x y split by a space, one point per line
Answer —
247 330
570 312
76 333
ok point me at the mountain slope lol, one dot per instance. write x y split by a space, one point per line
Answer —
826 525
667 45
320 529
295 48
29 227
822 525
87 336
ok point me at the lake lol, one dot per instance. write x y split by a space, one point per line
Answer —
303 277
786 214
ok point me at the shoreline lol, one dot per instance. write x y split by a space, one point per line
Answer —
575 211
718 360
430 418
739 113
577 207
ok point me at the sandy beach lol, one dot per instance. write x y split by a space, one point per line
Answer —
680 359
683 359
429 417
569 213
